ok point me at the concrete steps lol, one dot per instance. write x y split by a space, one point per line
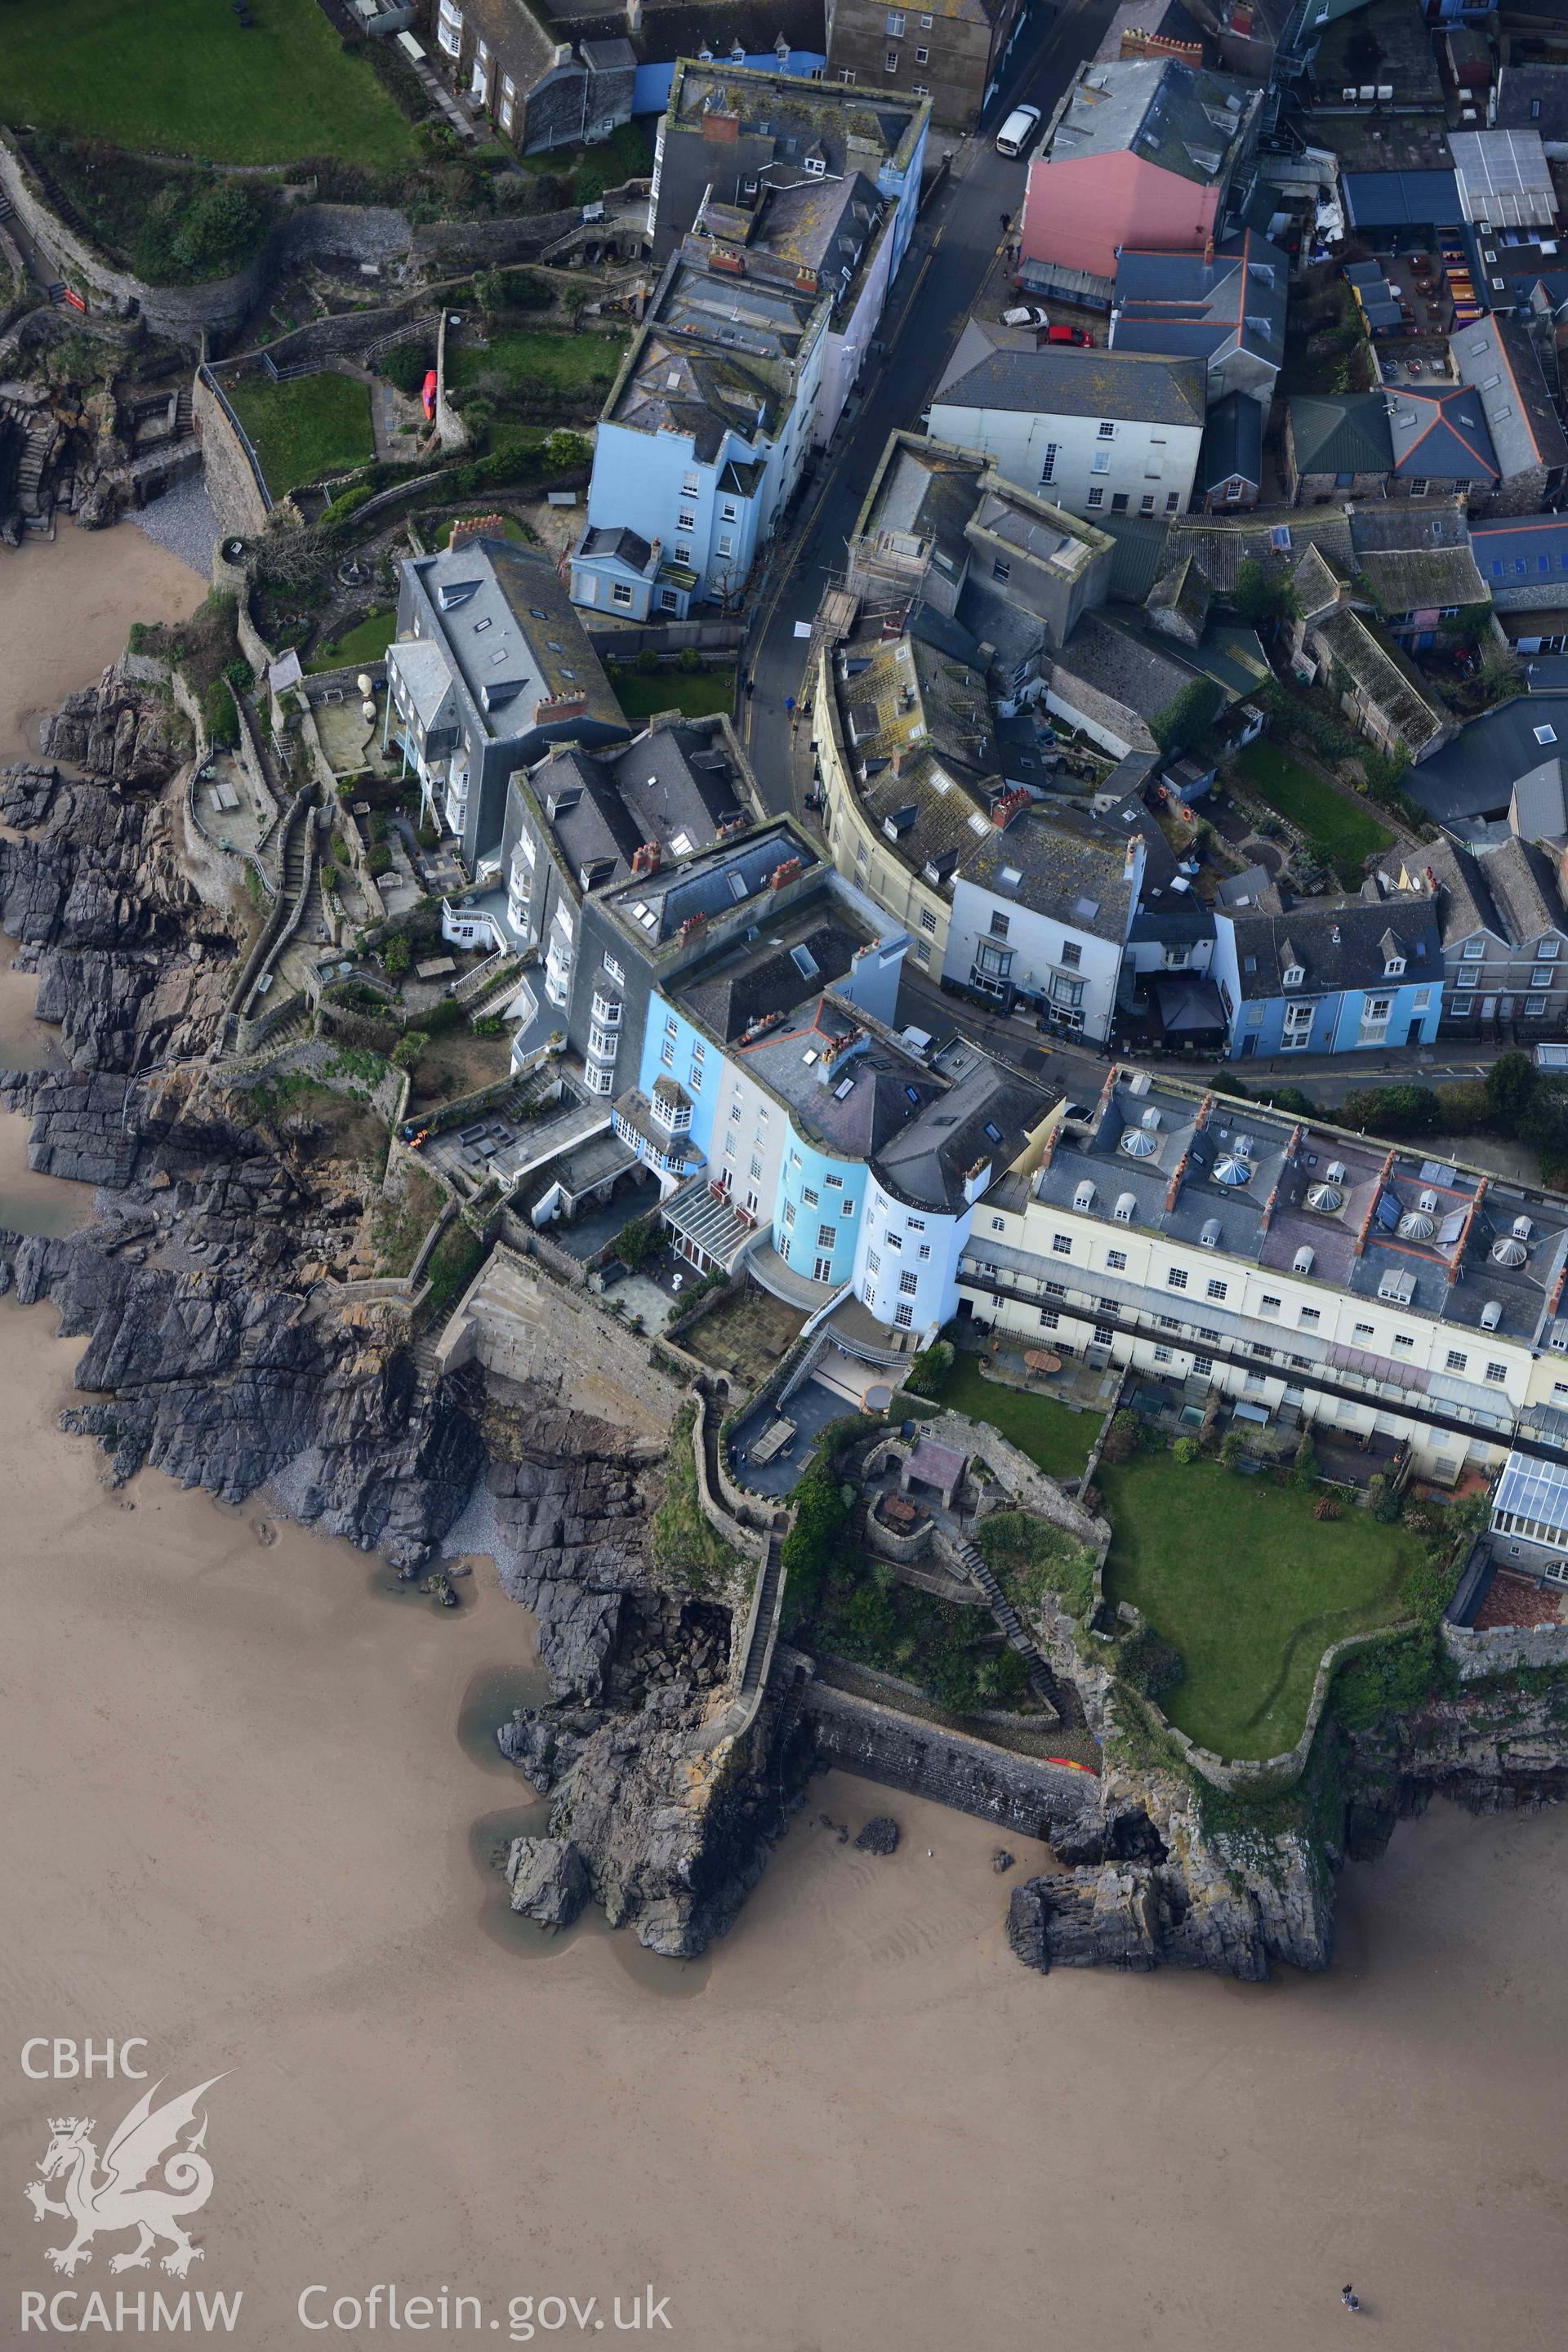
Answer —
1042 1682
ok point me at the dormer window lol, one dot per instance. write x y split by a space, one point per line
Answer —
1294 975
1394 966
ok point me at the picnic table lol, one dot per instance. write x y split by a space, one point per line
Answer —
1041 1360
773 1441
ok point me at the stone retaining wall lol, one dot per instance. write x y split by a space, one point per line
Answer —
925 1759
234 480
1502 1648
191 314
520 1323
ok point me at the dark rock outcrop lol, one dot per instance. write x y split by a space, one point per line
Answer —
548 1879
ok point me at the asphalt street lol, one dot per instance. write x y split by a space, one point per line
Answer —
954 244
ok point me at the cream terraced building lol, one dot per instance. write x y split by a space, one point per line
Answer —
1300 1271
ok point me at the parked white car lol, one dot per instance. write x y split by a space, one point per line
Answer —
1017 131
1026 314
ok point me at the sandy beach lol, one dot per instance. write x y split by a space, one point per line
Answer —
66 607
244 1823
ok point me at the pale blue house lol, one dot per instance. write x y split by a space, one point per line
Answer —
1329 980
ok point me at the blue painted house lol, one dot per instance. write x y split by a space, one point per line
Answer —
1329 980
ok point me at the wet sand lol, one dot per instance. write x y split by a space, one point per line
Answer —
66 609
242 1816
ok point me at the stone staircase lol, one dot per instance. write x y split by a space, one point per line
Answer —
1042 1682
760 1649
497 981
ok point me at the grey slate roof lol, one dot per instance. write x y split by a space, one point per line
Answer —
1497 355
1143 674
986 1115
1232 443
1203 306
1441 435
1181 118
1533 98
992 368
1336 947
1473 777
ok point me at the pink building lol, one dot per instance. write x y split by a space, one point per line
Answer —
1142 153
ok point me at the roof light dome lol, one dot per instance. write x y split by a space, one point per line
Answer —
1327 1199
1415 1225
1508 1252
1137 1143
1229 1170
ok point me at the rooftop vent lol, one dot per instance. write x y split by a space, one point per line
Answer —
1209 1237
1137 1145
1491 1315
1427 1201
1304 1259
1398 1287
1522 1228
1327 1199
1336 1171
1150 1117
1508 1252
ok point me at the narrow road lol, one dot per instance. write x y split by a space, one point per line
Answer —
952 249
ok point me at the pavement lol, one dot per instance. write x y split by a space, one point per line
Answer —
954 245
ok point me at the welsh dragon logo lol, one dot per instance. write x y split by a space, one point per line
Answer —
102 2203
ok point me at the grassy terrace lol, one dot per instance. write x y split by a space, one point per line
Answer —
318 424
533 359
365 642
182 78
1237 1575
1342 833
1055 1438
697 694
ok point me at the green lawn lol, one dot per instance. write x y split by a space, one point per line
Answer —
696 694
1237 1575
366 642
181 77
533 358
1342 833
316 425
1055 1438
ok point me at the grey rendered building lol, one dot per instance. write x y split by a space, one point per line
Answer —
490 666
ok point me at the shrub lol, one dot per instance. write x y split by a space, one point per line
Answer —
407 1050
688 661
1510 1086
637 1242
1328 1507
347 503
1232 1448
930 1370
219 714
1123 1437
240 675
1187 1451
397 957
1306 1472
1384 1500
379 859
490 1024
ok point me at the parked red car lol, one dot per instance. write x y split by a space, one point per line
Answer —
1080 335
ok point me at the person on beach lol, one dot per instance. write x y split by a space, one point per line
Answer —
1349 2298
